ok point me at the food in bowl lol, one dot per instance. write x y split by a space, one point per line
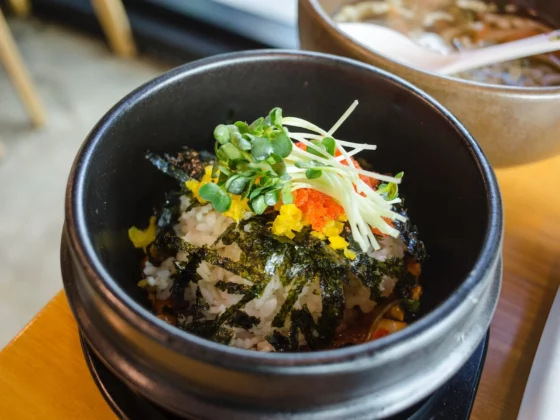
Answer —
281 241
454 25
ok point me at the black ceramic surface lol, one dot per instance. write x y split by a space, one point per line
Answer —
453 401
450 191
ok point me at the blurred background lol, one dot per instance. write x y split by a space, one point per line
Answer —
81 57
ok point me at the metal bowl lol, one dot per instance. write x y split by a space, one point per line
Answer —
513 125
450 190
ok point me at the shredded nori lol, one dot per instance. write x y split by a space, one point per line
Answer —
280 342
254 292
232 288
409 233
241 320
298 262
187 164
170 245
184 274
228 236
297 286
332 296
163 164
371 271
208 329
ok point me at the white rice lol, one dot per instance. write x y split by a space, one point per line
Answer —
202 226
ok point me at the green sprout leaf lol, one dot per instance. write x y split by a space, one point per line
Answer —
232 152
250 187
221 134
232 130
329 144
237 184
287 196
242 127
266 181
220 154
220 200
273 158
275 117
271 197
319 145
279 168
303 165
256 192
225 170
281 144
215 169
390 191
258 205
313 173
239 165
257 127
222 178
243 143
262 148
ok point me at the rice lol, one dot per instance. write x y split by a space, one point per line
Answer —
202 226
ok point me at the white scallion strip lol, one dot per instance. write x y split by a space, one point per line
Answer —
351 153
365 208
302 154
309 136
341 120
298 122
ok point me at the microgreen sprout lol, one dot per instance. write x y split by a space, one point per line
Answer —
259 162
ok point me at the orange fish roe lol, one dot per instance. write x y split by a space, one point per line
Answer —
318 209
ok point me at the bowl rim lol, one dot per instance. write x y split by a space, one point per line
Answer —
206 350
331 27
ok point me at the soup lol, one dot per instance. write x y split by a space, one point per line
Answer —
457 25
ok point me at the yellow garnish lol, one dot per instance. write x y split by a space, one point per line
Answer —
351 255
238 208
287 221
343 217
195 185
290 210
143 283
332 231
143 238
338 242
318 235
333 228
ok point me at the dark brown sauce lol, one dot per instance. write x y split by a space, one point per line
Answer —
355 333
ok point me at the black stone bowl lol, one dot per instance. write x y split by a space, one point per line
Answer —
451 193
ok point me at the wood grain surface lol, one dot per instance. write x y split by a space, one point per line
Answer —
43 374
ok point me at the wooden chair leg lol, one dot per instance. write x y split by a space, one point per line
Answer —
20 7
15 67
113 19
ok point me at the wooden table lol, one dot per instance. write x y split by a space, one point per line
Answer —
43 374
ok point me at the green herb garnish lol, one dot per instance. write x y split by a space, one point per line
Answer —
250 163
259 162
390 190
